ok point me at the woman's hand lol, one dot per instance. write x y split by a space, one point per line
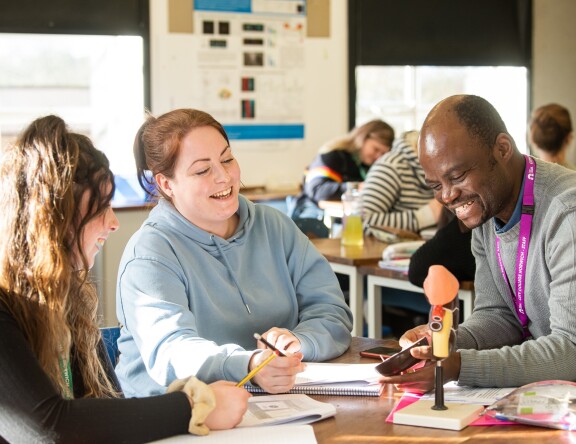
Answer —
231 404
279 375
281 338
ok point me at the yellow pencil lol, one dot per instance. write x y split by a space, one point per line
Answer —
250 375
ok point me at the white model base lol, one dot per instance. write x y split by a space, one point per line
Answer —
421 414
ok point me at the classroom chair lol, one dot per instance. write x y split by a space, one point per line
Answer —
313 228
110 337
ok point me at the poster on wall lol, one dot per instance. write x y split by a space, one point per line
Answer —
249 66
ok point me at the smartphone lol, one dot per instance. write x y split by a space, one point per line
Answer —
401 361
380 352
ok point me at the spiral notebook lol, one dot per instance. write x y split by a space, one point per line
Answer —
334 379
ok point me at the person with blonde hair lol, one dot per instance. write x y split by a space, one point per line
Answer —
551 133
58 384
208 269
339 161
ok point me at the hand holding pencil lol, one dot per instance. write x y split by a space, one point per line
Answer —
281 339
273 375
256 369
267 344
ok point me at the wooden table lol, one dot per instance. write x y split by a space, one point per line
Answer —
362 420
346 260
380 277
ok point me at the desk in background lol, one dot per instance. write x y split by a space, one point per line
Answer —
272 198
346 260
261 194
362 420
380 277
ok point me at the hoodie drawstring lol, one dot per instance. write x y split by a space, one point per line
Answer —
227 265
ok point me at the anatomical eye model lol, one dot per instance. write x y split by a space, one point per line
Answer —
441 289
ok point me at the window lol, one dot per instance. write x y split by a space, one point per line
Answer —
403 95
95 83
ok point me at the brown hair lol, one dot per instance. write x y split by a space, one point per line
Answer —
157 143
43 177
375 129
549 126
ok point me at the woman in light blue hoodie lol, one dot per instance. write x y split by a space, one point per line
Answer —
209 268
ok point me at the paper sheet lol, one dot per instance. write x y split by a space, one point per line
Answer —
322 373
280 434
471 395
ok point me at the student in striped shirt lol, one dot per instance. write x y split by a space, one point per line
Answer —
395 193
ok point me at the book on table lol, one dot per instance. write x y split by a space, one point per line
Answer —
285 409
334 379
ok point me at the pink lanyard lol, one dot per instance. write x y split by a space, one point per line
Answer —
523 244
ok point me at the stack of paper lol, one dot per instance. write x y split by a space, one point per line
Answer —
397 257
395 264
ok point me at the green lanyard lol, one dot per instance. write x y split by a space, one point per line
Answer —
363 171
67 375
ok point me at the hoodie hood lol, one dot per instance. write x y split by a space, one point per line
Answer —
166 215
403 148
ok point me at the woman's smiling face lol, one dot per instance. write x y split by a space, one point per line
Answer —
206 181
96 230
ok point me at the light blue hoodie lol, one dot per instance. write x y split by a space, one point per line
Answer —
190 302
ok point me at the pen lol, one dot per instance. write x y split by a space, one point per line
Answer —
264 363
265 342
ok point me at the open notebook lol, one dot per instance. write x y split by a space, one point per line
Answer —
335 379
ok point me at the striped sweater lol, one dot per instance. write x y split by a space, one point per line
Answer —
394 192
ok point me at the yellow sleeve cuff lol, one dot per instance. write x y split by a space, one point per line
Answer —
202 400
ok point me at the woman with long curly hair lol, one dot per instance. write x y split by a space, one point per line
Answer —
58 384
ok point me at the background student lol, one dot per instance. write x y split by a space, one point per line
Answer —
475 169
550 133
208 269
342 160
395 193
57 381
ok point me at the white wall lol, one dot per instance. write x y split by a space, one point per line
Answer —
325 104
553 79
554 51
